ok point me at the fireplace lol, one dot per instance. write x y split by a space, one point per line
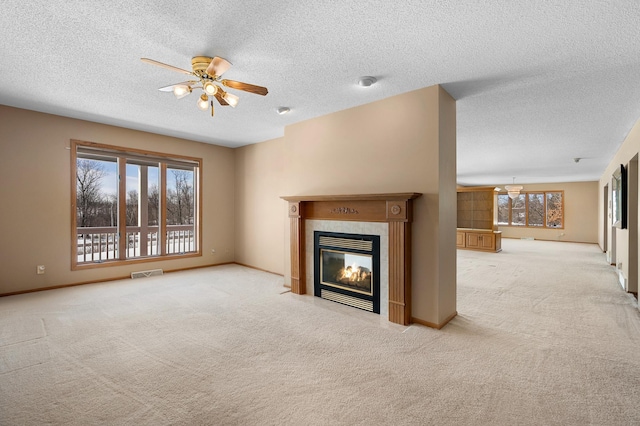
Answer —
347 269
392 210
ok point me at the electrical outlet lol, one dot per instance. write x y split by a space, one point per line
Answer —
40 269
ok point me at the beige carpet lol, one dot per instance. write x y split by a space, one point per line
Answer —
544 336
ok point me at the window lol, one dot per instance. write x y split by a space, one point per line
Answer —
519 211
133 205
533 209
555 210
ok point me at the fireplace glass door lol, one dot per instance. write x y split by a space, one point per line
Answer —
349 271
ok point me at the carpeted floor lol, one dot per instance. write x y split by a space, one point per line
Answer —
544 336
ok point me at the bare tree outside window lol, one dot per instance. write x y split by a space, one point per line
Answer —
503 209
535 209
91 202
532 209
132 207
554 210
180 201
154 204
518 211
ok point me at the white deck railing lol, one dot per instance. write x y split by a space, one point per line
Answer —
99 244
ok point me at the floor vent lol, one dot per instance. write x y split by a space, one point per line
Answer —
622 279
145 274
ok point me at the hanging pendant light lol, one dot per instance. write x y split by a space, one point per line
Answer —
513 190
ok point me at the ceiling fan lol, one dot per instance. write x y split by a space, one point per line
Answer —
207 72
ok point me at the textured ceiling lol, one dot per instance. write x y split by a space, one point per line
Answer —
536 83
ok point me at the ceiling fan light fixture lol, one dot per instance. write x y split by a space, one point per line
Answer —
231 99
206 72
209 88
181 90
203 102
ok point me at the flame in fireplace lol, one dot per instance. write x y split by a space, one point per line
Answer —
350 272
354 275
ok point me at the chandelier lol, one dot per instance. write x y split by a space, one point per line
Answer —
513 190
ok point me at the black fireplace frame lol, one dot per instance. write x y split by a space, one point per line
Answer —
374 253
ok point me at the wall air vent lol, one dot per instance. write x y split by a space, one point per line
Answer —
145 274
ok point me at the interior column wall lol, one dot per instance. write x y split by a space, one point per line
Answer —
404 143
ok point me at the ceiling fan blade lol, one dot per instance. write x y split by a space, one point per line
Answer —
251 88
218 66
163 65
184 83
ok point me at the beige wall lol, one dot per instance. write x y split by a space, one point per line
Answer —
401 144
626 240
580 214
35 213
260 214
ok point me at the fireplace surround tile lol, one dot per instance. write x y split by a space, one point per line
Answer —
349 227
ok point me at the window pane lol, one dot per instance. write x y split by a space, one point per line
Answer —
153 193
180 210
535 209
503 209
96 209
132 195
554 209
153 210
142 206
518 213
133 183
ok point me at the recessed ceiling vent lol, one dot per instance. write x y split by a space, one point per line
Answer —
145 274
367 81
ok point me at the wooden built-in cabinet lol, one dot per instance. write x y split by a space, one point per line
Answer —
478 239
478 219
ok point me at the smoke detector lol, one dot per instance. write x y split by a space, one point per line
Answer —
366 81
